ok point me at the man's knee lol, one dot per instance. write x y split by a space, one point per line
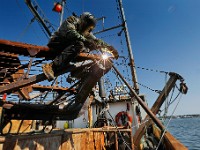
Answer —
74 49
79 46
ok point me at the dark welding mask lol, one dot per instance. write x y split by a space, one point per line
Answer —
88 23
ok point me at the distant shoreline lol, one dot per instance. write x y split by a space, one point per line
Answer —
185 116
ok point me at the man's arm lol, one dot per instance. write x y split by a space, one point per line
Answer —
68 30
107 48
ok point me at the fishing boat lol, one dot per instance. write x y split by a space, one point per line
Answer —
91 104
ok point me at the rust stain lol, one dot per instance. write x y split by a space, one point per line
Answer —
70 139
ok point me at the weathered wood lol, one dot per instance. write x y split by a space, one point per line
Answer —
78 139
90 117
169 140
155 108
165 92
18 126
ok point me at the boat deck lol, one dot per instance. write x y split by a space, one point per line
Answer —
78 139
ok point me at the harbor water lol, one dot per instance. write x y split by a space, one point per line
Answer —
186 130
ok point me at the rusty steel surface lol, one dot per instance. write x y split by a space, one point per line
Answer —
22 48
25 49
20 70
8 62
11 69
55 88
19 82
42 111
9 73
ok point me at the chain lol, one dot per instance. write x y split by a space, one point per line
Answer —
110 35
157 91
152 70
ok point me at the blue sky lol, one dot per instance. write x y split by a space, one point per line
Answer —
165 35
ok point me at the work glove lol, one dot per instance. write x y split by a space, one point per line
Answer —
90 44
113 51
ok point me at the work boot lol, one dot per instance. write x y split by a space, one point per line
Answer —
48 71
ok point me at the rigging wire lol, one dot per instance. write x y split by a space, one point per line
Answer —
26 29
170 102
117 127
41 100
83 6
40 25
25 16
168 123
171 96
68 10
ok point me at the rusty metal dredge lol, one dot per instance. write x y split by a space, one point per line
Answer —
14 80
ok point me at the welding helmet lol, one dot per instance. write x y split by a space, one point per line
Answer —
88 19
87 23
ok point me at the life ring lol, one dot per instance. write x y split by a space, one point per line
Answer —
123 119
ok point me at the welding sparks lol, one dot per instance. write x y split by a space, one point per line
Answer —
105 56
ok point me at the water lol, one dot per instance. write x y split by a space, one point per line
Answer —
186 130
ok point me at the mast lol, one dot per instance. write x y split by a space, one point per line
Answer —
133 70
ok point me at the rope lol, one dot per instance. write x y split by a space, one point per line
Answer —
168 122
172 101
141 123
118 129
114 120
